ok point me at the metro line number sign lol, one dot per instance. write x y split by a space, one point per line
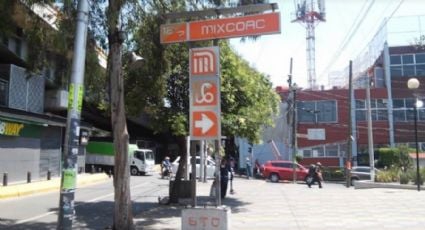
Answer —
257 24
204 91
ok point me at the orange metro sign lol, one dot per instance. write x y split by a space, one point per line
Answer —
257 24
204 85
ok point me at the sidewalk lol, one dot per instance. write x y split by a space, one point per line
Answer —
258 204
17 190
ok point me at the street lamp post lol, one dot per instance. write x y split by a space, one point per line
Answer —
413 84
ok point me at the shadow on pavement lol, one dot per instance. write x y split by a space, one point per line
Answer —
8 224
99 215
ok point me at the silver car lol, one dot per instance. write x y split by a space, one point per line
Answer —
209 163
360 173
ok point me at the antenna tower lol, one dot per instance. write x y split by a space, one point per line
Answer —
310 13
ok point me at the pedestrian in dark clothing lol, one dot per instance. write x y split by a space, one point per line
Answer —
225 174
315 172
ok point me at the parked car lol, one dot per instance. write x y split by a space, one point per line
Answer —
360 173
210 166
277 170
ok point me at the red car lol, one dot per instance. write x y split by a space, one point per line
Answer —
282 170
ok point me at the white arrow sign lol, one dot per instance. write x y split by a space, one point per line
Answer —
205 123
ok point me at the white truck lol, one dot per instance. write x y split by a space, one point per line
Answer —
100 155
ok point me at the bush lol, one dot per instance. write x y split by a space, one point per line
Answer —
404 178
333 174
387 157
383 176
299 158
388 175
422 175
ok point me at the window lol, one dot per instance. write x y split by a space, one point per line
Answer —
403 110
420 58
396 71
327 111
139 155
149 155
407 59
407 65
307 153
409 70
317 111
378 110
398 103
420 70
305 113
318 152
360 104
395 60
332 150
3 92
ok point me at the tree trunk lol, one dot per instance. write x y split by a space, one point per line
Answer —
123 216
174 195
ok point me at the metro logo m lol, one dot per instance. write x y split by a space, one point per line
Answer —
203 62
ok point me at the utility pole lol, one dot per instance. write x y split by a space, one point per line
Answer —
293 91
350 132
72 137
370 131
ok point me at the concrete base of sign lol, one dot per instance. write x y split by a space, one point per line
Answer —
206 218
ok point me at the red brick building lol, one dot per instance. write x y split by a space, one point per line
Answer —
323 117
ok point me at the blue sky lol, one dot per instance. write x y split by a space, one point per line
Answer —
271 54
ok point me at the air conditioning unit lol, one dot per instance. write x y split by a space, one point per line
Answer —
56 100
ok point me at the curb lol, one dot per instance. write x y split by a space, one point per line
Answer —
371 184
20 190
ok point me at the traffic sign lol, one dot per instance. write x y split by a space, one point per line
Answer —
256 24
203 62
204 88
205 124
204 92
175 32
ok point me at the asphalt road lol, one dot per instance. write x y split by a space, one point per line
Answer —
94 205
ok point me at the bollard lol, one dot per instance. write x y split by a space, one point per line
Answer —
5 179
49 175
28 177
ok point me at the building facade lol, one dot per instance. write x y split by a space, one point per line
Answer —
325 121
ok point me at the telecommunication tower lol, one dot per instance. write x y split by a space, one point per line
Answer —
310 13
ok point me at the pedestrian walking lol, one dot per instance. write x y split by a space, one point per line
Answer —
224 177
315 175
257 167
248 168
232 172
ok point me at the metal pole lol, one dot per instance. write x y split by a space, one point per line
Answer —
193 178
217 173
69 169
350 131
202 162
418 175
370 133
294 133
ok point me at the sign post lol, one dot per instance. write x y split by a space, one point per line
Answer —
204 74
